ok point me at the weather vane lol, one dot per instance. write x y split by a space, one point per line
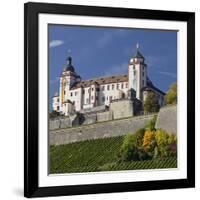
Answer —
69 51
137 45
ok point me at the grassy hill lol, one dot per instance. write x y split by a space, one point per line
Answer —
98 155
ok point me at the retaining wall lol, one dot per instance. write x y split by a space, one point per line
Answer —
167 119
98 130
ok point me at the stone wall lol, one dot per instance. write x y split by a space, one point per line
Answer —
122 109
118 109
89 118
64 122
98 130
104 116
167 119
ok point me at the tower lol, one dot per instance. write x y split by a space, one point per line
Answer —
67 79
137 73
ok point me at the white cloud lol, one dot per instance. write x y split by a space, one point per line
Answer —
117 69
55 43
170 74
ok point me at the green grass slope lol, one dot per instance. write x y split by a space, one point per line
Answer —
98 155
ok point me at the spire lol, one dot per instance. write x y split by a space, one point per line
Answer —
69 58
138 54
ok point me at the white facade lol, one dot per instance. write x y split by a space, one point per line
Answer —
76 94
56 104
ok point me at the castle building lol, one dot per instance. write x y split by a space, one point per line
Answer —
76 94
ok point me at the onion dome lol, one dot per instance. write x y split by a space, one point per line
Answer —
69 66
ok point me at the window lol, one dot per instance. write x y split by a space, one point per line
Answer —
64 92
110 98
117 85
71 94
113 86
108 87
126 85
57 100
57 107
92 89
143 82
103 99
134 73
92 97
97 89
76 93
122 86
103 88
83 91
134 67
87 101
143 74
97 98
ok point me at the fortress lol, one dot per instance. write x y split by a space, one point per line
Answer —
77 95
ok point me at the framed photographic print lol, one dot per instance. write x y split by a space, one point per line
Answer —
109 100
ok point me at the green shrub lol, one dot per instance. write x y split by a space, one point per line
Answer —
171 96
166 144
131 148
151 124
151 103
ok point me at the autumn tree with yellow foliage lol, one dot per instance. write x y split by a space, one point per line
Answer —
171 96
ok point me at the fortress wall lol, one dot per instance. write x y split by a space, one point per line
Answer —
167 119
98 130
122 109
104 116
118 109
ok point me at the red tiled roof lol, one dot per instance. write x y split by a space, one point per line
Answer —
101 81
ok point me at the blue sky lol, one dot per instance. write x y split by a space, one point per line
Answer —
98 51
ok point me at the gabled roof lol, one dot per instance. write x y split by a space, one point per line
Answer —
151 86
101 81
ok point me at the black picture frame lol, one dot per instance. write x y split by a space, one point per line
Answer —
31 170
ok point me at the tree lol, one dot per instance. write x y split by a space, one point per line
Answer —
171 96
131 148
151 103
